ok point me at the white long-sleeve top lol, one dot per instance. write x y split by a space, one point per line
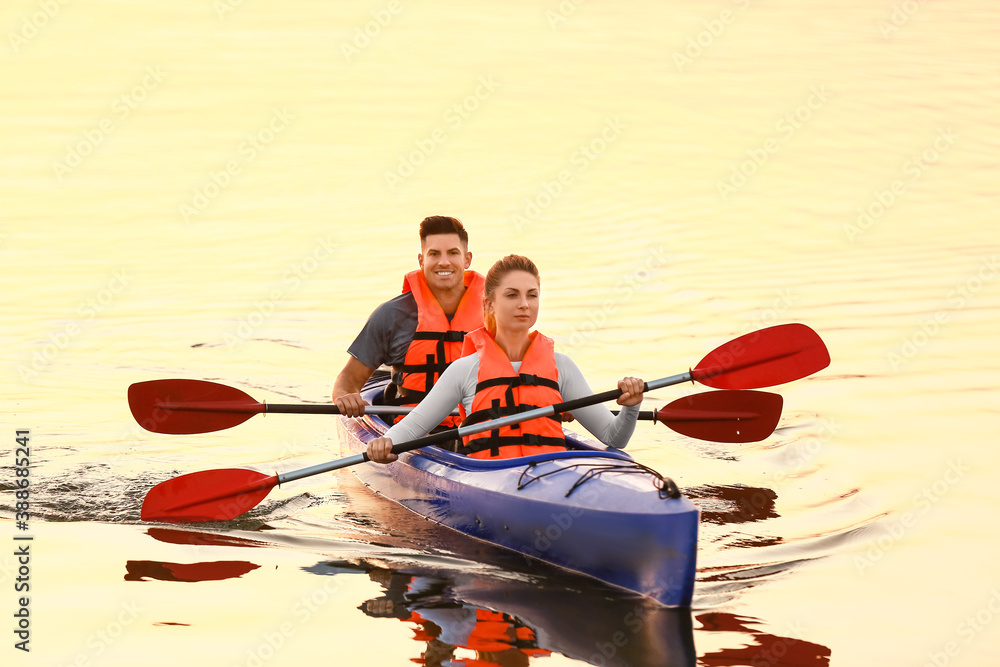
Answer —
458 385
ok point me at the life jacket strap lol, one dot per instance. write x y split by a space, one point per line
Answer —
524 379
494 443
431 369
443 336
496 411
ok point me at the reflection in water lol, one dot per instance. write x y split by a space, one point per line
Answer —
496 619
143 570
199 538
497 637
765 649
579 617
733 504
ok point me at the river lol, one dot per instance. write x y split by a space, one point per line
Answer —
225 190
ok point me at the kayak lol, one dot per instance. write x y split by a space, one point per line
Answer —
589 509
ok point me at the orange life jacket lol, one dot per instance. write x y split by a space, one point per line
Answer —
437 341
500 392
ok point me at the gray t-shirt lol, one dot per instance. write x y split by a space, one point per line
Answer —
387 334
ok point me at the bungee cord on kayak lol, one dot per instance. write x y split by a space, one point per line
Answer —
665 485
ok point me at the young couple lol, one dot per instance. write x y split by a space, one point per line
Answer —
455 338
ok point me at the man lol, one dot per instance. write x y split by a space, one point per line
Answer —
422 330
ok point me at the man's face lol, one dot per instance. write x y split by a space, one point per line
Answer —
443 259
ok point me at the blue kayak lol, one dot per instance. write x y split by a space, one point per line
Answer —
589 509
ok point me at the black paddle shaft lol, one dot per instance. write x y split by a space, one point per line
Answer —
544 411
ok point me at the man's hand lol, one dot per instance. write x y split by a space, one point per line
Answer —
351 405
347 385
380 450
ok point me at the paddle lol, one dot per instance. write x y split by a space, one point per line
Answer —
200 406
727 415
759 359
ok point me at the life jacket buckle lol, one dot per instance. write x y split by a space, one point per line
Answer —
527 380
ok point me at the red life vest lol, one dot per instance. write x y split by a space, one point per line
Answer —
437 341
500 392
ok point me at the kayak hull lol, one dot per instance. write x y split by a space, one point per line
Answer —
589 510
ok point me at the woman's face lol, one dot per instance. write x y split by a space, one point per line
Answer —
515 302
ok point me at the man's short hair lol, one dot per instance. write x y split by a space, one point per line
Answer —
442 224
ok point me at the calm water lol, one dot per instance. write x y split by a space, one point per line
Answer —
225 190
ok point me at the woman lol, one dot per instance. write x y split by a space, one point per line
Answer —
509 368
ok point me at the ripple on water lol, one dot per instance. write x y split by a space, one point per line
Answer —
754 532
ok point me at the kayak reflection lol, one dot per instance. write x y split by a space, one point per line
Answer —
472 618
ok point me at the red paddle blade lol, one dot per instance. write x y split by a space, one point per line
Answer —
764 358
724 416
189 406
209 495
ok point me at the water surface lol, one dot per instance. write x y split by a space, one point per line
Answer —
225 190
